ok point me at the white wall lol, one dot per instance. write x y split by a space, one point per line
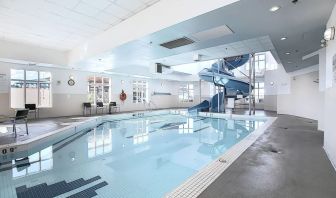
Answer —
304 99
330 98
67 100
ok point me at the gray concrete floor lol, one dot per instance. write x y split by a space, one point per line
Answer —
301 169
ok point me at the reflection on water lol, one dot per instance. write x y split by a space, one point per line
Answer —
33 164
99 141
150 156
142 132
188 127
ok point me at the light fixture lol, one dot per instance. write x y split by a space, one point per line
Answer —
289 62
329 34
283 38
274 8
287 53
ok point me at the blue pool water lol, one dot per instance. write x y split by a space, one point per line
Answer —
141 157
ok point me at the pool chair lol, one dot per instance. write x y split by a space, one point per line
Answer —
21 115
100 105
32 109
86 107
113 107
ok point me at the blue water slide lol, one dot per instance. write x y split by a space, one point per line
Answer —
217 101
220 74
203 106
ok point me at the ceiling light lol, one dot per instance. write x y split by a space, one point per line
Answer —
287 53
289 62
274 8
329 34
283 38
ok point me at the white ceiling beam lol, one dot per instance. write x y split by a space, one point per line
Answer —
316 53
31 54
161 15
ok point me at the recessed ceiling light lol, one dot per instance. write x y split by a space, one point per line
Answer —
274 8
289 62
287 53
283 38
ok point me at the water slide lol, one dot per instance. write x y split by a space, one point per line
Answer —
220 74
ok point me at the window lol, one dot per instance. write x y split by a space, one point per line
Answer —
98 89
215 90
259 91
30 87
140 91
260 63
186 93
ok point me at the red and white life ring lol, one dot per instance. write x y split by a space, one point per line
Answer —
122 96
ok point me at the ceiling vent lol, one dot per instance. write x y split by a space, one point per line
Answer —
177 43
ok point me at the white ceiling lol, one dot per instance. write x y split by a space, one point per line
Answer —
146 57
63 24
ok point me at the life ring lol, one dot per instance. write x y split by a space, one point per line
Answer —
122 96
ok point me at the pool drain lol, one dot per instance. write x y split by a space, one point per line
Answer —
222 160
273 150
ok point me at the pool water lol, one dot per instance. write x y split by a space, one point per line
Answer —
141 157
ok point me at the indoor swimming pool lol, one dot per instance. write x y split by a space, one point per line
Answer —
136 157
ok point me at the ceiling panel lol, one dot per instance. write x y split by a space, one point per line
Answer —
63 24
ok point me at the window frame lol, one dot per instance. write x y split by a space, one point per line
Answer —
258 87
140 91
187 91
38 87
96 86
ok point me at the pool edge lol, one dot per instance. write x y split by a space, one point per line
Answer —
197 183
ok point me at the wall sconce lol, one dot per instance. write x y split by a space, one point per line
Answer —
329 34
